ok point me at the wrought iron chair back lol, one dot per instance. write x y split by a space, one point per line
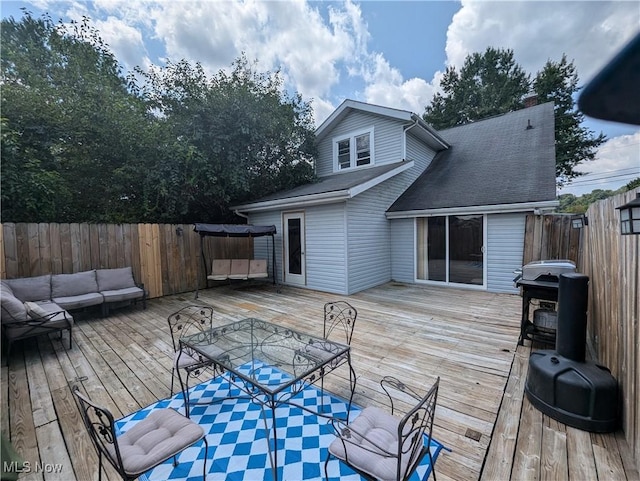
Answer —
188 320
411 441
101 427
339 316
414 426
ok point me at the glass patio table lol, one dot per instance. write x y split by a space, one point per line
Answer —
268 362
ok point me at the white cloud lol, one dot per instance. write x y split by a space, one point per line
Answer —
617 162
589 33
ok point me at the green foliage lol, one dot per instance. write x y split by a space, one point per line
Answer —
80 142
239 135
557 82
632 184
492 84
572 204
68 122
487 85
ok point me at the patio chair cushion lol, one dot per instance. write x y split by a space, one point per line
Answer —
69 285
13 309
79 301
125 294
220 269
31 288
373 425
239 269
258 269
115 279
157 437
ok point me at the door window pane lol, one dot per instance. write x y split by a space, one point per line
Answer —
295 246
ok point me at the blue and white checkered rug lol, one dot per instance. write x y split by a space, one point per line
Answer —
238 441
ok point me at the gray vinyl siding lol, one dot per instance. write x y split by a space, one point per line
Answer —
326 248
387 139
262 245
505 246
369 233
403 250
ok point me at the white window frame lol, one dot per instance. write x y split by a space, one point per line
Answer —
351 137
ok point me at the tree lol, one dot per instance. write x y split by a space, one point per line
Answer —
81 142
488 84
241 136
492 84
632 184
69 122
558 82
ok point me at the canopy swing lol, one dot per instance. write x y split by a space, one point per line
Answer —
235 230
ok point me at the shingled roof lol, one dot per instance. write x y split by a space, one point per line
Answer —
508 159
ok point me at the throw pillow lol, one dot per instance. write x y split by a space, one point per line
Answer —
35 311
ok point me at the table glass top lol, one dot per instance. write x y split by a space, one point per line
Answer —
265 354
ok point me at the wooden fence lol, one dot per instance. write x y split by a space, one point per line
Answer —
164 257
611 262
551 237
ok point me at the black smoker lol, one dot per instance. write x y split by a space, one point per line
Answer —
560 383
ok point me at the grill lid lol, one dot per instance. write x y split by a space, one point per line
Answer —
547 269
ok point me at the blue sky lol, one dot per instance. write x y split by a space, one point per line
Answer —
382 52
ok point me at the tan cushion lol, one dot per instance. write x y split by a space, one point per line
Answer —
373 429
220 269
258 269
239 269
159 436
69 285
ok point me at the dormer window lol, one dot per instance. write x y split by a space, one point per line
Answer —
353 150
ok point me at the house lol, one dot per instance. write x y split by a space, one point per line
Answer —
397 200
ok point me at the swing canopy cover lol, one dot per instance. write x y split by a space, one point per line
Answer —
234 230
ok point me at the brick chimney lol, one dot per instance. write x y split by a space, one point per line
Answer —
530 100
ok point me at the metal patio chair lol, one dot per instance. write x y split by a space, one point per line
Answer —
163 434
381 446
339 318
186 321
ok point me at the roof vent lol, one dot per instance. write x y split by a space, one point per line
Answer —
529 126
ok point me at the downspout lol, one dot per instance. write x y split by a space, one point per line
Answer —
240 214
407 129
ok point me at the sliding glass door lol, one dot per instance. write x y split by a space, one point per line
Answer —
450 249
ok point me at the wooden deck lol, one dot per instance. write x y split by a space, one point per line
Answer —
468 338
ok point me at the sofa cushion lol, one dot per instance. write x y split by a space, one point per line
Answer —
61 320
31 288
13 309
68 285
126 294
114 279
34 310
80 301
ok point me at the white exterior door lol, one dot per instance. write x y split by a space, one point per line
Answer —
294 247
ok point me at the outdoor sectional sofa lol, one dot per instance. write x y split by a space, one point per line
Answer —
36 305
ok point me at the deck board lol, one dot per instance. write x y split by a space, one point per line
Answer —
467 337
